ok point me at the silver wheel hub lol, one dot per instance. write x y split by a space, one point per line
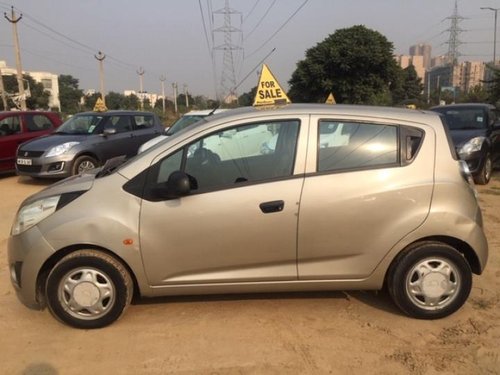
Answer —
85 166
86 293
433 283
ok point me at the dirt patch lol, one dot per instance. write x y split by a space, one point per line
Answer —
304 333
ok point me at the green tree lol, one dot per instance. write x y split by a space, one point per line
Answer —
90 100
69 94
408 87
247 98
355 63
477 94
115 100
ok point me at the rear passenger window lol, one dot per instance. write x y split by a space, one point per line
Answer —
143 122
347 145
36 123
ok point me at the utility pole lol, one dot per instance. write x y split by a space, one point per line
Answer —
495 33
162 80
13 20
186 96
2 92
174 88
141 88
100 57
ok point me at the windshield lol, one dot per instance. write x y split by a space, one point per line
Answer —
81 124
183 123
464 118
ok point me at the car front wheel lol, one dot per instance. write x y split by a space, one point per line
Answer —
88 289
484 175
84 163
430 280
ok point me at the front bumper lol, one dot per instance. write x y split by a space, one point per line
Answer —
52 167
475 161
27 252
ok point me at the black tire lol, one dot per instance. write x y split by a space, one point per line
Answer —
88 289
484 175
84 163
429 280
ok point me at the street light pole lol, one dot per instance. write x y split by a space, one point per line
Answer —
495 32
100 57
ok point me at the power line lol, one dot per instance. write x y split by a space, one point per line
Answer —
260 21
251 10
205 28
279 29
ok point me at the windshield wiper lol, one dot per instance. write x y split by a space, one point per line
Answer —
111 165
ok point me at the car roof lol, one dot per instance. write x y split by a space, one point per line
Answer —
27 112
205 112
115 112
338 110
464 105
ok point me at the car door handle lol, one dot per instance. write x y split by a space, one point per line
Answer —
273 206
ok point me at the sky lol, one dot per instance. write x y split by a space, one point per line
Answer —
173 38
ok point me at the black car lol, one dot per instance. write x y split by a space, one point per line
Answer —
476 134
86 141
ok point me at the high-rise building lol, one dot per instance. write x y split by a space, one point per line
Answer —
424 50
417 61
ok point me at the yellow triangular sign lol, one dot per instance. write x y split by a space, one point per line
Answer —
269 91
330 99
100 106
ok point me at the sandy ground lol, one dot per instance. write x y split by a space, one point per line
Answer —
314 333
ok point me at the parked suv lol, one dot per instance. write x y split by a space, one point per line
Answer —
387 203
17 127
86 141
475 131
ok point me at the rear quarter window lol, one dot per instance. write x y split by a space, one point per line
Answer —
352 146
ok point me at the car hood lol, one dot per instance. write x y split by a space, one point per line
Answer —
46 142
462 136
72 184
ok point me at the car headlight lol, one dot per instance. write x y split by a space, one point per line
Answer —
61 149
475 144
33 213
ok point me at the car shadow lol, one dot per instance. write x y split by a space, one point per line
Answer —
26 180
379 300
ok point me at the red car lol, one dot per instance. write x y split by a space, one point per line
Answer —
17 127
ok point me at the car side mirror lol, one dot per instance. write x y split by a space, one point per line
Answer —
109 131
177 185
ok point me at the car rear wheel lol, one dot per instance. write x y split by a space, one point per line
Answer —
83 164
88 289
485 175
430 280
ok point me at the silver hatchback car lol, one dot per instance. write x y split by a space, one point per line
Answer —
322 198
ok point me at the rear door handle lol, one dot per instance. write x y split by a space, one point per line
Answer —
273 206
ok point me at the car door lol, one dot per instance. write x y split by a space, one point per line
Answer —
364 193
121 142
11 136
240 221
144 128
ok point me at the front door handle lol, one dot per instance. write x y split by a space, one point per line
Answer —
273 206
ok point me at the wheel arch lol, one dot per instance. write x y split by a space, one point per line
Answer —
58 255
462 247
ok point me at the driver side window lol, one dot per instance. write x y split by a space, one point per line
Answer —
246 153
